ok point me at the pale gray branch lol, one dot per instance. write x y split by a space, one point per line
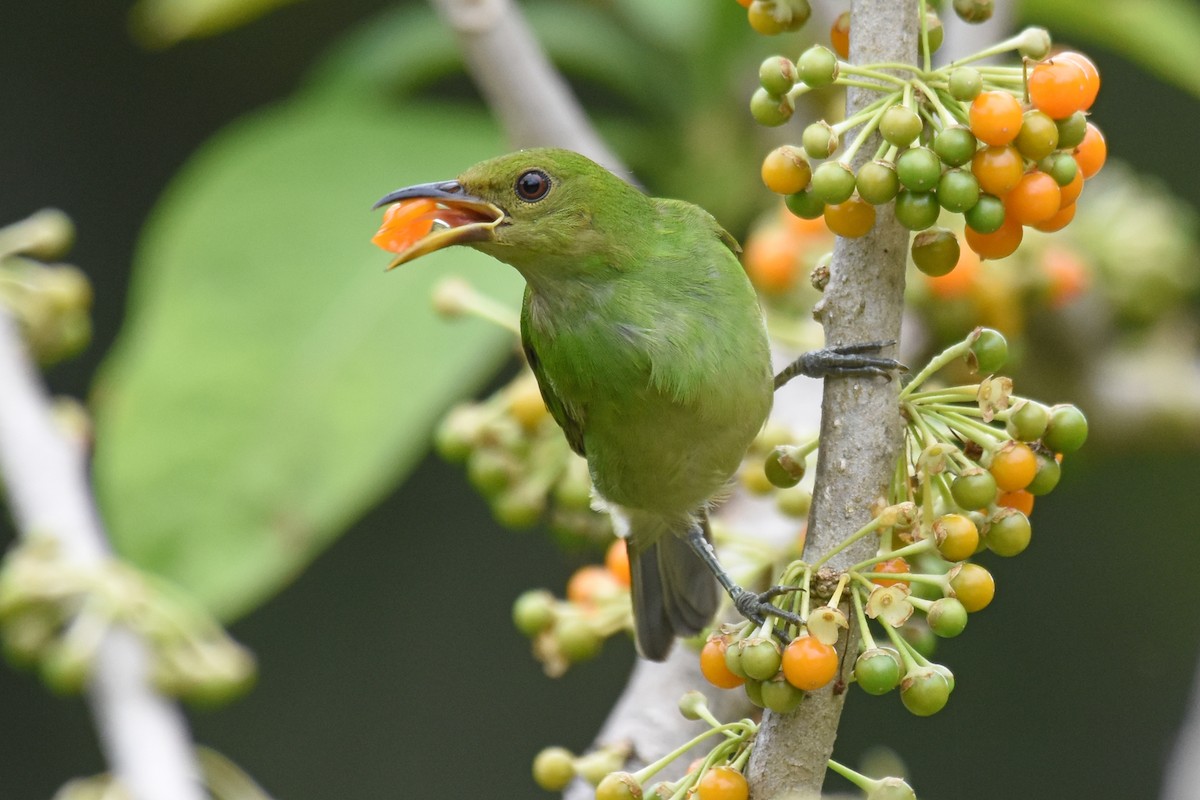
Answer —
860 421
144 736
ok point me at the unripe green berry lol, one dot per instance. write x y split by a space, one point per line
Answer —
918 169
576 639
900 125
965 84
877 671
987 215
974 11
554 768
777 75
958 190
1027 420
784 466
533 611
754 692
1035 43
924 691
819 140
520 507
1046 478
935 251
988 352
1071 130
1060 166
794 502
917 210
1067 430
934 32
817 66
947 617
1008 532
955 145
770 110
973 489
619 786
877 182
805 204
458 432
780 696
760 658
1038 136
490 471
833 182
733 659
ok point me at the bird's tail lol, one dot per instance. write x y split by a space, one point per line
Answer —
674 593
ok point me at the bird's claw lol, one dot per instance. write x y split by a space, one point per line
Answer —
846 360
756 607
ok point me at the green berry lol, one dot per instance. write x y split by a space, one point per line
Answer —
1061 166
957 190
733 659
784 467
955 145
833 182
491 471
947 617
770 110
924 691
877 671
794 502
1067 430
935 251
1008 532
989 351
1035 43
1071 130
533 611
935 32
974 488
760 658
918 169
987 215
974 11
965 84
754 692
777 75
780 696
554 768
619 786
1046 478
576 639
1027 420
917 210
900 125
817 66
805 204
877 182
1038 136
819 140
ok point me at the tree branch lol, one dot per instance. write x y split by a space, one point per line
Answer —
860 422
143 735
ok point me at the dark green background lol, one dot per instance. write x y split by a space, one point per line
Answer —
1071 685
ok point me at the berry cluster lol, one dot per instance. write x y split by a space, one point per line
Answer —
974 460
50 302
1005 147
54 615
771 17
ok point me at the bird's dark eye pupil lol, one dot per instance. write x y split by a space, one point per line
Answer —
533 185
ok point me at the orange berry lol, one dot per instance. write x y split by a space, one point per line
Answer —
744 3
1035 198
839 35
786 170
1071 192
1090 74
722 783
1061 219
1068 276
1013 466
1091 152
404 223
1021 500
616 561
1057 87
1000 243
894 566
591 584
770 260
803 230
995 117
851 219
712 664
808 664
973 585
998 169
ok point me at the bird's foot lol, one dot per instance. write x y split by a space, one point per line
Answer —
846 360
757 606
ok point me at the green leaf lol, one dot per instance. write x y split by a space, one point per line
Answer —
272 381
1161 35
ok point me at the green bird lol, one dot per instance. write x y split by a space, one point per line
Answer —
649 347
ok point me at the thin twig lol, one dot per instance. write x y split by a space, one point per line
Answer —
143 735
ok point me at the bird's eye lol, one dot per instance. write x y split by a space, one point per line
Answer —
533 185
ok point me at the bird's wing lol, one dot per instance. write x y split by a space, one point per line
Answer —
571 426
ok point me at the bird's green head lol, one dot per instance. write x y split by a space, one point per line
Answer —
527 208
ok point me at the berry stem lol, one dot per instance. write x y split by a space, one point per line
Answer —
943 358
868 128
864 628
1011 43
922 546
859 780
921 11
866 530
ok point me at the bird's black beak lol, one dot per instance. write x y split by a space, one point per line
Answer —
431 216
